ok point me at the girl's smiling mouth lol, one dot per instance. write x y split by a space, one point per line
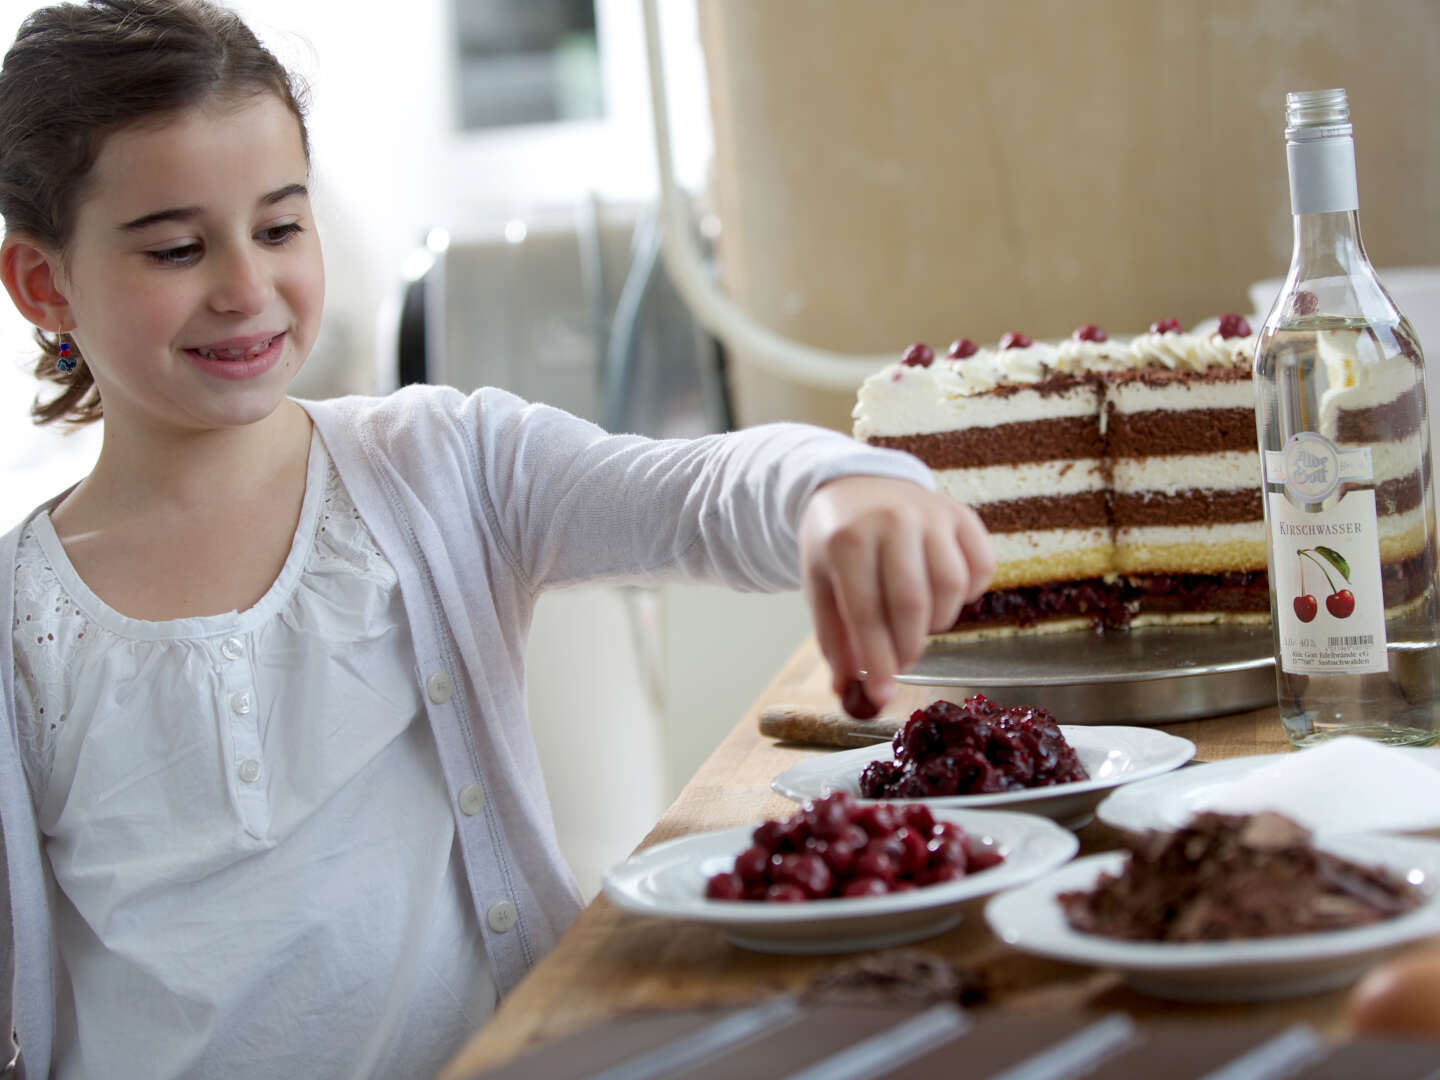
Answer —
239 358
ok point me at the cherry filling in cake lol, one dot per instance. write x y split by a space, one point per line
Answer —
835 848
1111 605
973 749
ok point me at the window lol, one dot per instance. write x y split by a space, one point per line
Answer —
527 62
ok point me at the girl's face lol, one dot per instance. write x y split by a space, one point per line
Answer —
194 275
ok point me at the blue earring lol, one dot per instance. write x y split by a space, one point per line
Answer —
65 362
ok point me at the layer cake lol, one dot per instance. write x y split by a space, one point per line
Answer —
1374 398
1120 481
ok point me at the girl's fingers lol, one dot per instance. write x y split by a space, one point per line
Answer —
908 600
830 632
978 551
855 578
950 579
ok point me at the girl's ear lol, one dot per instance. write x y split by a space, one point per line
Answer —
30 272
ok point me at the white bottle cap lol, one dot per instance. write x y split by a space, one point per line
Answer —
1320 146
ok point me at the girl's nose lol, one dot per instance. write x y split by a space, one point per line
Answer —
242 284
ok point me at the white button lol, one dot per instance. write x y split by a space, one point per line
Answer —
240 703
232 648
439 687
249 771
501 916
472 799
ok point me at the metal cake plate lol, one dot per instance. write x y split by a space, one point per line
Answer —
1149 675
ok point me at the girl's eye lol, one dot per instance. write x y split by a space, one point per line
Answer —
280 234
183 255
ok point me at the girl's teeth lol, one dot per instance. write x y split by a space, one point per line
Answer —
234 354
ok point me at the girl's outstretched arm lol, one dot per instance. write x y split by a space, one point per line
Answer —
886 562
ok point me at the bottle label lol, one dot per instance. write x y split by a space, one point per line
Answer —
1322 176
1325 563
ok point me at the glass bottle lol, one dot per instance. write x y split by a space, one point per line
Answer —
1345 459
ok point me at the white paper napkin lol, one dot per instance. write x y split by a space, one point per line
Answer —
1348 784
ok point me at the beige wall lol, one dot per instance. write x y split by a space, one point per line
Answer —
923 170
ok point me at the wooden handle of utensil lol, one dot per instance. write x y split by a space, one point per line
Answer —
824 727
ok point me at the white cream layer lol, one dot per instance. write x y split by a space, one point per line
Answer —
1231 470
1358 374
1164 535
902 400
1395 460
1000 483
1011 547
1137 397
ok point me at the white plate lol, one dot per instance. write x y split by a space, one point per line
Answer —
668 881
1168 802
1111 755
1030 919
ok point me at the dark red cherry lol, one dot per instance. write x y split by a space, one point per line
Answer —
1340 604
918 355
1014 340
857 703
959 350
1090 332
1306 607
725 887
865 886
1166 326
1234 326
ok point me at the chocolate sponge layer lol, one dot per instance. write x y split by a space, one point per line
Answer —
1063 439
1164 431
1201 506
1379 423
1083 510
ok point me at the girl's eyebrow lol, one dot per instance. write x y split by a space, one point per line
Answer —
186 213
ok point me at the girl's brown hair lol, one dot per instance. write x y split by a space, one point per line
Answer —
80 72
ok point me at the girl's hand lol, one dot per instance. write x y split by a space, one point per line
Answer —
886 562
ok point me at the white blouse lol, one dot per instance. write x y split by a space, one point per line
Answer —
249 830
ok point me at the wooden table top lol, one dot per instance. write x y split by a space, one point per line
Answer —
610 962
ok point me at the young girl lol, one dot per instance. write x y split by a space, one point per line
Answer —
270 806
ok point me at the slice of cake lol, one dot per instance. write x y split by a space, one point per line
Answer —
1119 481
1185 503
1377 400
1007 432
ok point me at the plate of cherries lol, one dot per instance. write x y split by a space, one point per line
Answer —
839 875
983 755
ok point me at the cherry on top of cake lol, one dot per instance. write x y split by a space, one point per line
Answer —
1018 358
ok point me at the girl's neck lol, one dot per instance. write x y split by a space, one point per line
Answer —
142 470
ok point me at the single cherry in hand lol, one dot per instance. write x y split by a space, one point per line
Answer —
857 703
1306 606
918 355
1340 604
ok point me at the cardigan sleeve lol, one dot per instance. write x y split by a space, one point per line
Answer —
574 503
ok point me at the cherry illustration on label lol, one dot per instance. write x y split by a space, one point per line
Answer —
1341 602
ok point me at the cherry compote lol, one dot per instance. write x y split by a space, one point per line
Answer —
973 749
835 847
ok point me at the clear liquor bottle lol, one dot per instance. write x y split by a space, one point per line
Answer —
1345 458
